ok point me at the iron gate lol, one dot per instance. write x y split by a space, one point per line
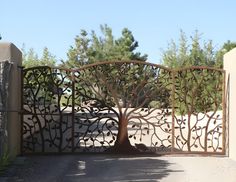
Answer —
123 107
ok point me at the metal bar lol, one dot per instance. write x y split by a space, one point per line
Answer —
130 61
184 153
73 112
224 114
101 63
199 68
22 108
43 114
173 111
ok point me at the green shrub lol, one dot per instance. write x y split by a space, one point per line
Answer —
4 161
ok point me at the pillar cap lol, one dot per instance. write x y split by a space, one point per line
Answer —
8 51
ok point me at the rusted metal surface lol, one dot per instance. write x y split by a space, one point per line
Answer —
124 107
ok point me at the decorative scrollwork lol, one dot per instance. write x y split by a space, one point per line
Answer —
122 106
199 110
47 109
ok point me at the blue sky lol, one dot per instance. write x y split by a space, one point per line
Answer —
55 23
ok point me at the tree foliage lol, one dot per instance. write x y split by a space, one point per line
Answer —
227 46
90 48
195 53
183 54
31 58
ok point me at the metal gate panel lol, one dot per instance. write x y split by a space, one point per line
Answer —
123 107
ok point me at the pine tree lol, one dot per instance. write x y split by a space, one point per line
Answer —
94 48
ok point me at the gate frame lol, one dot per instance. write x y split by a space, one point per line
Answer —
173 72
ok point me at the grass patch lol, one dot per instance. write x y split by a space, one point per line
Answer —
4 162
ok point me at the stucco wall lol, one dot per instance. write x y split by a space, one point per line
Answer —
10 52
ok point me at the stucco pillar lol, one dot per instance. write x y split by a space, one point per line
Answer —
230 68
9 52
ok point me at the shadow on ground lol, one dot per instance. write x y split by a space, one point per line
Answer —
88 168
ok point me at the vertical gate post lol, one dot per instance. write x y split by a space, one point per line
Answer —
230 68
73 113
173 111
9 52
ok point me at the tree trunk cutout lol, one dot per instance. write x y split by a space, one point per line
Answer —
122 144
